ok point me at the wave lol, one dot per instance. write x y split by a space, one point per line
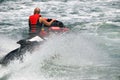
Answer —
1 1
6 0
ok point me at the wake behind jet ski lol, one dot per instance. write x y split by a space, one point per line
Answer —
29 45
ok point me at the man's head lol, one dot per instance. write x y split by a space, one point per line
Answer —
37 10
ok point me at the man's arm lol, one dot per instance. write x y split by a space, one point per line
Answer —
42 20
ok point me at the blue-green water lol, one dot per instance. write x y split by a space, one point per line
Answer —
90 51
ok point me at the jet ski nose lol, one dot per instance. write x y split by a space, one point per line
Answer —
21 42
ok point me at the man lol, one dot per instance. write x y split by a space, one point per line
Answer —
35 23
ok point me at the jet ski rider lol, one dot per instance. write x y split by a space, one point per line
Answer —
35 23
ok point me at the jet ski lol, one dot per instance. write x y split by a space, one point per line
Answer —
26 45
56 27
29 44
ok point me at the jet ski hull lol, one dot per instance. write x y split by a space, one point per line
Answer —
18 53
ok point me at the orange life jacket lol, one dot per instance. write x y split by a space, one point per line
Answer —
34 24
